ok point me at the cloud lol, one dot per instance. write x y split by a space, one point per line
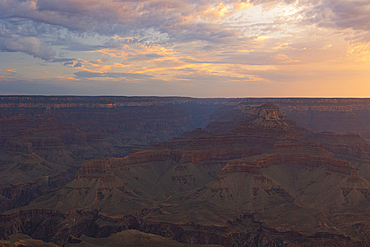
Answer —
142 19
70 45
170 21
153 56
12 70
88 74
72 62
77 65
341 14
128 22
64 60
11 42
152 40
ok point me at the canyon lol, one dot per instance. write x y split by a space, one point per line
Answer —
184 171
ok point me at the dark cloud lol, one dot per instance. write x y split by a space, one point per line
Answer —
143 57
63 60
77 65
70 45
341 14
212 78
188 60
146 23
148 20
67 61
87 74
83 47
157 21
153 56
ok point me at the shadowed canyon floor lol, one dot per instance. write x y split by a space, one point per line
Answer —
252 178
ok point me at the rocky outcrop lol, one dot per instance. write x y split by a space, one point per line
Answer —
255 167
146 156
334 165
18 195
214 155
268 116
240 166
339 115
96 169
22 147
36 224
24 240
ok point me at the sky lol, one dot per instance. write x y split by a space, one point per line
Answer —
198 48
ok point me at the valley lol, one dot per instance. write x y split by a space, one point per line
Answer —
77 171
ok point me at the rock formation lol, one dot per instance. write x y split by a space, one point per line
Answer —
264 181
252 178
48 138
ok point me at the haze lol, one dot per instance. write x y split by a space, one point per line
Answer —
188 48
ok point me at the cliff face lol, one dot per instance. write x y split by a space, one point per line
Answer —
338 115
350 147
96 169
40 155
252 178
123 115
100 126
26 175
49 138
39 228
265 181
338 166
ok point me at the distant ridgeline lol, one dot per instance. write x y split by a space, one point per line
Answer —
316 114
50 102
342 115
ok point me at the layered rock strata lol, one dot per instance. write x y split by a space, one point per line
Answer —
262 182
